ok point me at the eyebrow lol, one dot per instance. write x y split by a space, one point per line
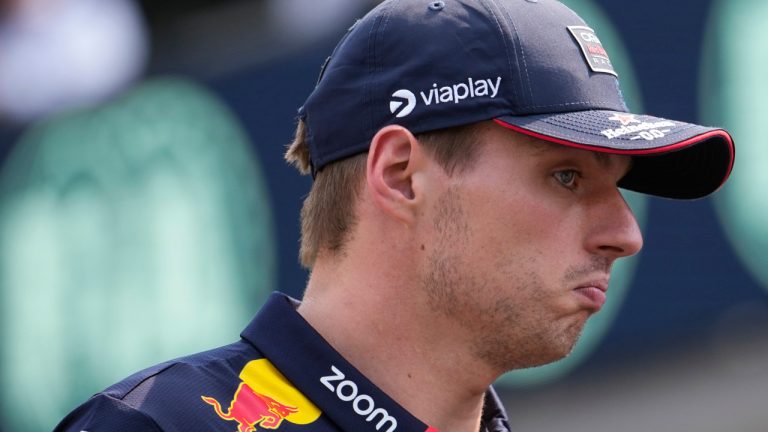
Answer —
540 146
602 158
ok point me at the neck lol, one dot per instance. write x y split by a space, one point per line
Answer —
380 323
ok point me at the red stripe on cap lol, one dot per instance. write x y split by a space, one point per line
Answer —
649 151
431 429
634 152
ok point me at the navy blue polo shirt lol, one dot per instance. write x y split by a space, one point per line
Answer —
282 375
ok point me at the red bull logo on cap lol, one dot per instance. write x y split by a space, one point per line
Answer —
264 399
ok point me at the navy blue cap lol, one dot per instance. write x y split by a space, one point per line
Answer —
533 66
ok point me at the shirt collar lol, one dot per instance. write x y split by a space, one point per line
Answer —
344 394
494 415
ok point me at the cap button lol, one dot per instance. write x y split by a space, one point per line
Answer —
436 5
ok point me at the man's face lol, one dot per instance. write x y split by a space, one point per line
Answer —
521 246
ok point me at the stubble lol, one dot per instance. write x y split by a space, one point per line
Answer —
507 325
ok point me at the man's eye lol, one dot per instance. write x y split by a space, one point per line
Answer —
567 178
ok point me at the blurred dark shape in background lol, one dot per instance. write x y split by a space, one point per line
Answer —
215 37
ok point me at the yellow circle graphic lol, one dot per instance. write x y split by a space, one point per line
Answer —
263 378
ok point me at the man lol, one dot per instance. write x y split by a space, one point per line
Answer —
463 221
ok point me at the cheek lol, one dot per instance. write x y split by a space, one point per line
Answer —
532 231
534 277
521 237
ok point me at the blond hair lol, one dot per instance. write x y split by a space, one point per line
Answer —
328 214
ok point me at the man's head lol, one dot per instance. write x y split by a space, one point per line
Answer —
496 133
532 66
515 243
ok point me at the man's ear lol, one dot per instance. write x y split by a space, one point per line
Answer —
394 160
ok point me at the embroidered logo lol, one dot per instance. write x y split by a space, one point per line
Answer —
592 48
404 101
264 399
624 119
636 129
399 98
362 404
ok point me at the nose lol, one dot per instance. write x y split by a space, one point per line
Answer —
614 230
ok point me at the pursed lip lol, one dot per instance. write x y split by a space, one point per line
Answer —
593 293
601 284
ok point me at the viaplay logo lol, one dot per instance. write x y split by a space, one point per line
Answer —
265 398
404 101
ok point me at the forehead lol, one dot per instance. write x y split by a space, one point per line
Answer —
539 148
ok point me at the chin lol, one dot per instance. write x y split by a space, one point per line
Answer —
540 353
560 346
569 338
557 353
507 352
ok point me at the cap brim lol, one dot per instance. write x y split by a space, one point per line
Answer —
671 159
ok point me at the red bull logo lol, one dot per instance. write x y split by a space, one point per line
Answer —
249 408
265 399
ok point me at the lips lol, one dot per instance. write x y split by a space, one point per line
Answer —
592 294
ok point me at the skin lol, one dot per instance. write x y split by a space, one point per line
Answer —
487 270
